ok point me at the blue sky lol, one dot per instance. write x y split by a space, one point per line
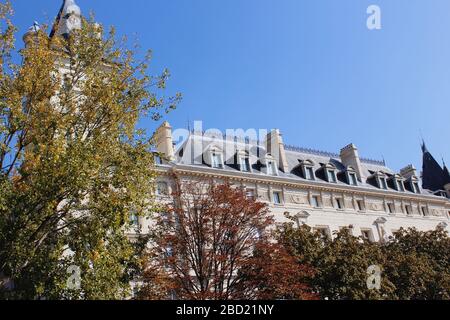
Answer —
308 67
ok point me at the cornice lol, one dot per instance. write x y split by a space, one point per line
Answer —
289 182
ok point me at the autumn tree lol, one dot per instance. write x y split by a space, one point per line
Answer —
73 163
211 243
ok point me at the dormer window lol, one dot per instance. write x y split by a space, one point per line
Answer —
330 173
400 186
307 167
398 182
416 187
216 160
381 180
245 164
352 178
271 165
382 183
244 161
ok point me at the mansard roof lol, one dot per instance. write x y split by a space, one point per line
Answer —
295 157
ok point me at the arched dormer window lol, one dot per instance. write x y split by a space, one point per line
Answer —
308 170
215 157
269 165
243 159
352 178
330 172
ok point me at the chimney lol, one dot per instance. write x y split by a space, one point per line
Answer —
275 147
164 142
408 172
350 157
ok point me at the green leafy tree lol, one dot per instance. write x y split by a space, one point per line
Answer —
418 263
73 163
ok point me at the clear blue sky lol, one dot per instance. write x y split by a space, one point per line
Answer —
308 67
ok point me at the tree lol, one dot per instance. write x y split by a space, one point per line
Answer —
418 263
211 243
73 163
340 263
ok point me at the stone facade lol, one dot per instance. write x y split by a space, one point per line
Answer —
363 204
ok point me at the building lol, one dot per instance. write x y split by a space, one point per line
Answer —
324 190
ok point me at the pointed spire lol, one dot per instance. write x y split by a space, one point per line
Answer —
446 174
424 147
433 175
67 20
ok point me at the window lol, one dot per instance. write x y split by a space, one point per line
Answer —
391 207
158 160
383 183
216 161
339 203
271 168
134 220
309 173
416 187
250 193
332 176
277 197
323 232
366 235
245 164
360 205
352 179
424 211
400 186
161 188
408 209
315 201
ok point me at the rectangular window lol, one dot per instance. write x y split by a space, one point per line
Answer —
391 207
332 176
309 173
277 197
424 211
366 235
270 170
323 232
315 201
217 161
245 164
401 188
408 209
383 184
158 159
134 219
360 205
339 203
161 188
250 193
353 180
416 187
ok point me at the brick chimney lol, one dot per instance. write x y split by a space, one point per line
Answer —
275 146
350 157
